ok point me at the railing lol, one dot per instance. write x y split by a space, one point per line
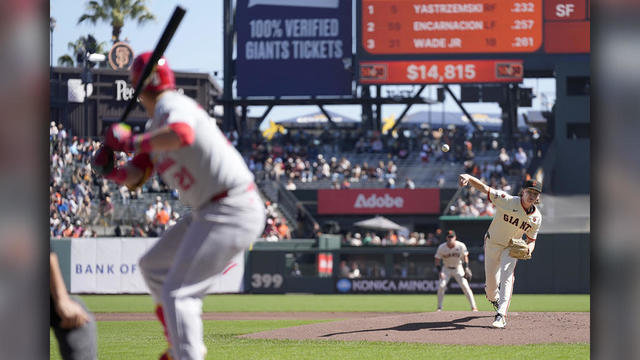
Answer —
451 201
288 204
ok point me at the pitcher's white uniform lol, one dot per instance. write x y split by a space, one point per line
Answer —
511 221
227 215
452 259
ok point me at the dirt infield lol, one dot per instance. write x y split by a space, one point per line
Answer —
446 327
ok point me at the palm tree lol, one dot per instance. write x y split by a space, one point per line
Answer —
79 48
65 60
115 12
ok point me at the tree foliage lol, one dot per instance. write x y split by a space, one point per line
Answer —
79 49
115 12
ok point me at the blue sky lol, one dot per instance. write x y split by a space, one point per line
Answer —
197 47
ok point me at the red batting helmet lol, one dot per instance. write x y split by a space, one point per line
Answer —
161 77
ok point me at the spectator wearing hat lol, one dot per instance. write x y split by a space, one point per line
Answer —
409 184
283 229
53 131
174 219
356 240
355 271
441 179
521 160
290 184
270 231
504 159
162 219
344 269
368 238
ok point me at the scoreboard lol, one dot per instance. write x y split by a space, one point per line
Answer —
462 41
412 27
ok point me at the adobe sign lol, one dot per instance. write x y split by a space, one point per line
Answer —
379 201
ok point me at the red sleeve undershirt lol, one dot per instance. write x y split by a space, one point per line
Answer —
184 131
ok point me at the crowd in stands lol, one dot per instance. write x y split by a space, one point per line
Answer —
298 156
361 265
301 156
340 171
72 186
392 238
371 269
277 228
471 202
80 202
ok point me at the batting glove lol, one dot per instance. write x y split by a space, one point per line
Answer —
120 138
103 161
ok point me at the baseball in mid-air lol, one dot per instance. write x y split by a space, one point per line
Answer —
445 148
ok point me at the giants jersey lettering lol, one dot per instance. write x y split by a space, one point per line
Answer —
451 257
207 167
511 220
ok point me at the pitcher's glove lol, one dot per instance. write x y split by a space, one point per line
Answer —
468 274
518 249
103 161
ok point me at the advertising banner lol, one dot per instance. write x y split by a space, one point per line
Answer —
441 72
379 201
397 286
110 266
293 47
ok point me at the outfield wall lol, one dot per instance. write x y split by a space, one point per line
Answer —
110 266
561 264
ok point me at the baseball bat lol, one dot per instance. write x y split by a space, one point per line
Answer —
166 37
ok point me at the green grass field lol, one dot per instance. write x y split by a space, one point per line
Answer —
144 340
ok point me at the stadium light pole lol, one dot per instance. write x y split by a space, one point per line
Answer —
87 79
52 26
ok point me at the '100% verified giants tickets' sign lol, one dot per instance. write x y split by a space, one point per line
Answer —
293 47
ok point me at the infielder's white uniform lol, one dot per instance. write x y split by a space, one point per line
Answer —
227 215
511 221
452 259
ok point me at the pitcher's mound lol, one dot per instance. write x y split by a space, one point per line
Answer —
446 327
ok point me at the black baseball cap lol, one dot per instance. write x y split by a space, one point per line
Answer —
533 184
451 233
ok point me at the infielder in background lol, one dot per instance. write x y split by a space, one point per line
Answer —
452 259
516 216
190 153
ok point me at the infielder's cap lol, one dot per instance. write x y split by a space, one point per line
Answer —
533 184
451 233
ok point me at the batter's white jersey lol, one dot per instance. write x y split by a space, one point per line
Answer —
209 166
227 216
511 220
452 257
